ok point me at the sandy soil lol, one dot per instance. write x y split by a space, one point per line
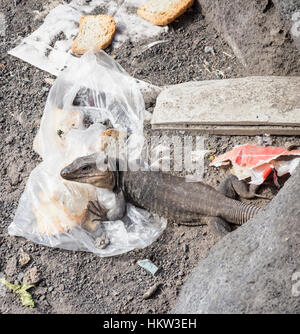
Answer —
78 282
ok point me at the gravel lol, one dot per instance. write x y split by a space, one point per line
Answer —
78 282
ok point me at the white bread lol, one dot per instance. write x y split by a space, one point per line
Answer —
162 12
58 211
61 122
95 32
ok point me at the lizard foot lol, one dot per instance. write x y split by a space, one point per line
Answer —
102 242
98 210
232 186
218 226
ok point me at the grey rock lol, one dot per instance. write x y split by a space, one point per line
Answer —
32 276
185 248
24 258
253 269
149 92
147 116
13 175
21 118
209 49
9 139
20 277
40 291
252 29
11 267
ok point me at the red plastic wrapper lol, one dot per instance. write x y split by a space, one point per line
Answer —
257 162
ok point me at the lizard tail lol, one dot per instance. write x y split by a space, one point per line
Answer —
245 212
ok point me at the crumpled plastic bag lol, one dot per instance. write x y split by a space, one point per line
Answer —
257 162
53 211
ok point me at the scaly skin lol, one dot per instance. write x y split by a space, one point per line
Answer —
161 193
173 197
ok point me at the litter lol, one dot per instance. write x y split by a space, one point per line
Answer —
150 45
151 291
21 290
49 81
257 162
48 48
148 265
95 33
163 12
228 55
53 211
210 49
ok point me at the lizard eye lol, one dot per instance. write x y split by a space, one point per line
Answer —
86 168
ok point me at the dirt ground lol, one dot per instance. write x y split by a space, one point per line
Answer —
78 282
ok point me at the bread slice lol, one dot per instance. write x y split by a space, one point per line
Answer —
162 12
95 32
113 142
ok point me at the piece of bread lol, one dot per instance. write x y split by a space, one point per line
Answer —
113 142
60 123
61 209
162 12
95 32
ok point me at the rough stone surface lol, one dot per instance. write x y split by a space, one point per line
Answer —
255 268
260 28
11 267
32 276
287 8
24 258
13 175
263 101
290 11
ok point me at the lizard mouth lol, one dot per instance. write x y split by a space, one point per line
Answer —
105 180
81 178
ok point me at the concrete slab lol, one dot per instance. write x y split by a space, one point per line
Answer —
250 105
233 130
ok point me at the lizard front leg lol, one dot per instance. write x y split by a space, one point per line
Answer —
217 225
233 187
112 208
98 210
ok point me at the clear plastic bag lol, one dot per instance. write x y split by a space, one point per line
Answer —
53 211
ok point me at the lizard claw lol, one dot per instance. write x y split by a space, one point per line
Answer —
102 242
261 196
98 210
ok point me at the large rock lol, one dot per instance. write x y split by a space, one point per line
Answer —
256 268
256 33
251 105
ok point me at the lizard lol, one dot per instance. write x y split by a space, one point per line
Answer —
162 193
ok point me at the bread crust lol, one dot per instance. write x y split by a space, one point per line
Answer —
165 17
106 34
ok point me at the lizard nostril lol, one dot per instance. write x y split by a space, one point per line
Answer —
63 173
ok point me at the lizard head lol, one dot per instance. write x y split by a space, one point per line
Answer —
92 169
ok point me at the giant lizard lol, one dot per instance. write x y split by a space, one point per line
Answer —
162 193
